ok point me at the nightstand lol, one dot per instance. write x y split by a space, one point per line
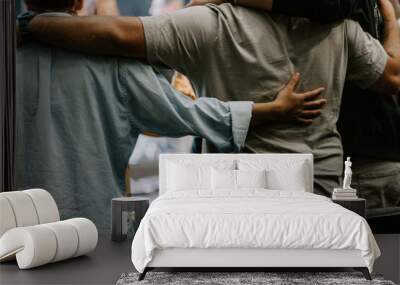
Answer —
122 211
358 206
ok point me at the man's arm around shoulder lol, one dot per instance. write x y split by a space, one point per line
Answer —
119 36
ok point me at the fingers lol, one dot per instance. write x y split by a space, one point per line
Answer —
316 104
310 114
311 111
304 107
305 122
311 95
293 82
307 116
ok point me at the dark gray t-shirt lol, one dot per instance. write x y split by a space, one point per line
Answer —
235 53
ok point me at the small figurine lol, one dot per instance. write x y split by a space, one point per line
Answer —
346 192
347 174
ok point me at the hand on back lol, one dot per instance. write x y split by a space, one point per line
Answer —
300 108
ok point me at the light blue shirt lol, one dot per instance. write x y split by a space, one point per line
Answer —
79 116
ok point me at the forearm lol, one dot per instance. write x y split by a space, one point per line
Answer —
119 36
391 39
224 124
391 43
264 113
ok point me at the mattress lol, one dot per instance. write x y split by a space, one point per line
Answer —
250 219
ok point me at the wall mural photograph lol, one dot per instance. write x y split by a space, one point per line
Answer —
210 141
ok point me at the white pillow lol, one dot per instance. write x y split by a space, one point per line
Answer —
292 180
223 179
251 179
281 174
184 178
237 179
193 174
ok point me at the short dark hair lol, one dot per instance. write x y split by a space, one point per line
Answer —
50 5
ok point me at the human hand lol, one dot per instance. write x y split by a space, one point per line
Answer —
204 2
181 83
300 108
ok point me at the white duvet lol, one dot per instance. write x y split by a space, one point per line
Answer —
250 219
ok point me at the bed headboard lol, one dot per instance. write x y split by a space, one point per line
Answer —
213 158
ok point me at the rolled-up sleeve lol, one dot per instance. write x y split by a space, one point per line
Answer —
154 106
241 117
367 57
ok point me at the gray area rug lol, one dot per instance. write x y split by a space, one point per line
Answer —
238 278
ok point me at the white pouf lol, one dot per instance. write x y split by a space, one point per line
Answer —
46 207
88 235
23 208
27 208
31 231
33 246
67 240
41 244
7 219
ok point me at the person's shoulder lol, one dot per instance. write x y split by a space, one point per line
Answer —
240 17
227 9
350 22
351 25
193 10
342 28
201 12
355 32
193 19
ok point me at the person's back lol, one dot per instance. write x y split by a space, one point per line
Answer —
72 135
244 52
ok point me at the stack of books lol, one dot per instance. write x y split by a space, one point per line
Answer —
344 194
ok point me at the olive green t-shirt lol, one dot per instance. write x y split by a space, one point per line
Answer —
235 53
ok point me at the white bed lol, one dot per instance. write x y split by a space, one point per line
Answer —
213 225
